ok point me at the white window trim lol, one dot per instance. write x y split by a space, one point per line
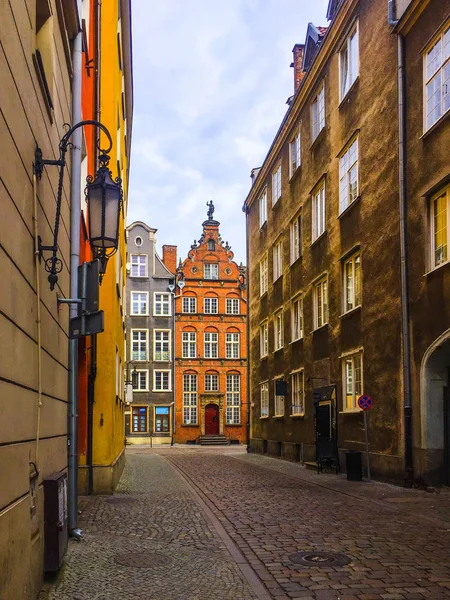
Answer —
351 259
298 219
232 302
210 265
158 330
146 266
146 371
343 358
264 275
316 234
190 343
169 314
346 150
210 375
278 263
276 189
298 298
211 344
209 299
146 345
232 345
133 314
264 341
437 37
325 316
297 139
275 403
278 328
315 100
195 305
294 374
169 389
263 214
432 261
266 399
345 47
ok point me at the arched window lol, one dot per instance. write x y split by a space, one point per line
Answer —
211 343
233 398
189 343
232 306
189 304
190 398
211 381
211 245
211 304
232 343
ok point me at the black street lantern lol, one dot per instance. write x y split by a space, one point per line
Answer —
104 199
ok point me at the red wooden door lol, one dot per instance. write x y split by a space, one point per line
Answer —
211 419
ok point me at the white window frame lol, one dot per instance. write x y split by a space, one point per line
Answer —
141 301
190 399
263 208
232 306
298 393
295 232
318 113
211 273
440 55
349 55
277 251
233 399
278 330
264 275
351 282
279 401
232 345
189 344
349 175
137 263
140 387
297 318
162 342
169 380
264 339
191 303
211 344
210 305
351 391
211 382
276 184
142 343
165 301
439 256
318 211
320 302
295 152
264 392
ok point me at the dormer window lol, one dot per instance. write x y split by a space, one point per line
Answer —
211 245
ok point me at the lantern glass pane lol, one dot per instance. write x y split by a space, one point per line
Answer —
112 204
95 213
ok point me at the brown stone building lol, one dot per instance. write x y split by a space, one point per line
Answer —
210 343
327 253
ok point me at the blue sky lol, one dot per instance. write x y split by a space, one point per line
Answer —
211 80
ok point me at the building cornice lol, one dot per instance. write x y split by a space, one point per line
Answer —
410 16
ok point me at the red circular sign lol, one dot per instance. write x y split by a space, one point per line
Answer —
365 402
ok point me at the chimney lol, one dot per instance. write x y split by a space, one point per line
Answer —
298 51
170 258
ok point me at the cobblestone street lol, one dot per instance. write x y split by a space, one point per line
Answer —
197 523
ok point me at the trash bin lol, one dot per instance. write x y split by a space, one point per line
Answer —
353 465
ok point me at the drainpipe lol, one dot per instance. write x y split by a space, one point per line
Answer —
75 216
407 400
248 413
91 399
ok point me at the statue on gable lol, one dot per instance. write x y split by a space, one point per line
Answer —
210 206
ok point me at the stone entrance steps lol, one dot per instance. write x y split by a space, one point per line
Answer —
213 440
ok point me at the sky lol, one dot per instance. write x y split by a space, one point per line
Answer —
211 80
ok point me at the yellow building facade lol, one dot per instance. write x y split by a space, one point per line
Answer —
116 106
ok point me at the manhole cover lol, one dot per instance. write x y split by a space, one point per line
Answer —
120 500
142 560
320 559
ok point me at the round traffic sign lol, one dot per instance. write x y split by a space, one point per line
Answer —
365 402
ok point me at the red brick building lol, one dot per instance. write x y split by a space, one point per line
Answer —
210 343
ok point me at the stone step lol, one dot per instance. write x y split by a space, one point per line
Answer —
213 440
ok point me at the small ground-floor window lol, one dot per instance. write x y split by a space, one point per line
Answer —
162 414
139 419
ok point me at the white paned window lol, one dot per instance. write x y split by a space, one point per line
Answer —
296 238
232 306
349 62
190 399
348 176
210 306
211 383
295 149
189 344
277 260
437 79
232 345
263 208
161 305
320 303
211 271
139 344
138 265
352 282
264 339
440 227
276 185
278 330
233 412
211 345
263 275
161 345
139 303
189 304
318 113
297 318
352 380
298 393
279 402
161 381
140 382
318 212
264 399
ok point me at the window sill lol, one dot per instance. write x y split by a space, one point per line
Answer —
435 125
348 92
276 202
278 416
137 391
353 411
295 173
297 416
135 315
233 425
161 391
300 339
321 236
324 326
263 226
317 139
350 312
349 207
265 357
265 417
189 425
277 279
278 350
438 268
295 260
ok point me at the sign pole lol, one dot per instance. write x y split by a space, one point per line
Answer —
366 434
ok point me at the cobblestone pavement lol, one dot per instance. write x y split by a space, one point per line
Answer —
155 523
397 540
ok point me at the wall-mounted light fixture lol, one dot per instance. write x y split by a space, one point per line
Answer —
104 200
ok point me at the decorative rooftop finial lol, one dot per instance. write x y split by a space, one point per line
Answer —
210 210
